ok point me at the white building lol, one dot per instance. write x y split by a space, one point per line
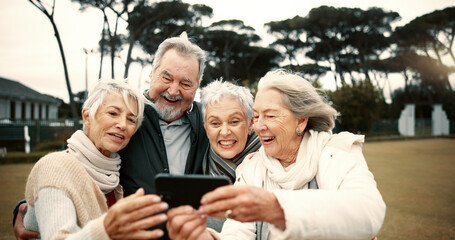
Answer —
18 102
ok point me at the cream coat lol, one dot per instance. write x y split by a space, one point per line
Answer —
347 204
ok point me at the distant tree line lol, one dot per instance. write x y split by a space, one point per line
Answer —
360 48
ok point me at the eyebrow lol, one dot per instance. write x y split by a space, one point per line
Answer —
171 76
167 74
241 113
266 110
120 110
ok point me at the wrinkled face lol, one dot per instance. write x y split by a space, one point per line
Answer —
113 124
276 125
227 127
173 85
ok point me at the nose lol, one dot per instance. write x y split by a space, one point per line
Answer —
224 129
174 89
259 124
121 123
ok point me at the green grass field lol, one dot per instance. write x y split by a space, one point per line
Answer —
416 179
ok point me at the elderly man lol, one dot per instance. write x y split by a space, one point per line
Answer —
172 137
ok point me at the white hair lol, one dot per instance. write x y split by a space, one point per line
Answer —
301 98
184 47
105 88
216 90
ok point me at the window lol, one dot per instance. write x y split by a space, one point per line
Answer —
12 110
23 109
32 115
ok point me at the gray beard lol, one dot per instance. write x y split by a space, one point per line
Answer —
165 113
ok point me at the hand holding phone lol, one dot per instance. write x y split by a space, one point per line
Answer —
187 189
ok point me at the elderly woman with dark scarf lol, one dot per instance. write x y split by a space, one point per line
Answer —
229 127
76 194
304 182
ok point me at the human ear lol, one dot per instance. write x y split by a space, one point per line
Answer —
85 117
302 124
250 126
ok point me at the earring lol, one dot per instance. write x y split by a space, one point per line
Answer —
299 133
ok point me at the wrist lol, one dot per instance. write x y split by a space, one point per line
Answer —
276 213
16 210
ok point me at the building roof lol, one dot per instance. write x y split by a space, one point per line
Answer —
15 90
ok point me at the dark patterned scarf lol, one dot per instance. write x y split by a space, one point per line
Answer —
216 165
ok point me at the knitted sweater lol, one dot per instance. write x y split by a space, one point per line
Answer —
63 177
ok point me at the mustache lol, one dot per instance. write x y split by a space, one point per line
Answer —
172 98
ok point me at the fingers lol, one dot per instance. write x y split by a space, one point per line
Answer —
130 216
143 234
136 230
246 203
144 223
223 192
136 201
185 223
120 215
20 231
199 229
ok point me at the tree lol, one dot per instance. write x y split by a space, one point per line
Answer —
431 35
359 106
234 54
50 15
348 38
111 41
289 34
147 24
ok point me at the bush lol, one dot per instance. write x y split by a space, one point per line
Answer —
359 106
20 157
53 145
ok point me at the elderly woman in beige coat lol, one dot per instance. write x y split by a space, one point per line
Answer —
75 193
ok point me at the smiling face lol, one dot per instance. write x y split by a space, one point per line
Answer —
111 128
227 127
277 126
173 85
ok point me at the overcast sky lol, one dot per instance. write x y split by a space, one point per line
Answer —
29 52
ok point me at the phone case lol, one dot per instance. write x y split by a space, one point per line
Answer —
187 189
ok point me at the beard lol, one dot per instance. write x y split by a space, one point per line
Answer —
165 112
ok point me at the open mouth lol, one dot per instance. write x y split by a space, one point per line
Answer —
227 143
117 136
172 99
267 139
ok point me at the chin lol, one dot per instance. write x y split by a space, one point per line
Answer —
228 155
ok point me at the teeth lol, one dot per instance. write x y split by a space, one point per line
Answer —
117 136
172 99
268 138
226 143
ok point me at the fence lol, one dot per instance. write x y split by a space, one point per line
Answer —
12 133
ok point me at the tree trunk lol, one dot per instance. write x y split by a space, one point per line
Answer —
68 85
50 16
128 56
102 46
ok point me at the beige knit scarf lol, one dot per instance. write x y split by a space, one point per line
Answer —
104 170
298 174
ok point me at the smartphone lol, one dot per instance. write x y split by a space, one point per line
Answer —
186 189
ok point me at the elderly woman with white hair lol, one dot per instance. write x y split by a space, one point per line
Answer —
227 110
228 122
76 194
304 182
